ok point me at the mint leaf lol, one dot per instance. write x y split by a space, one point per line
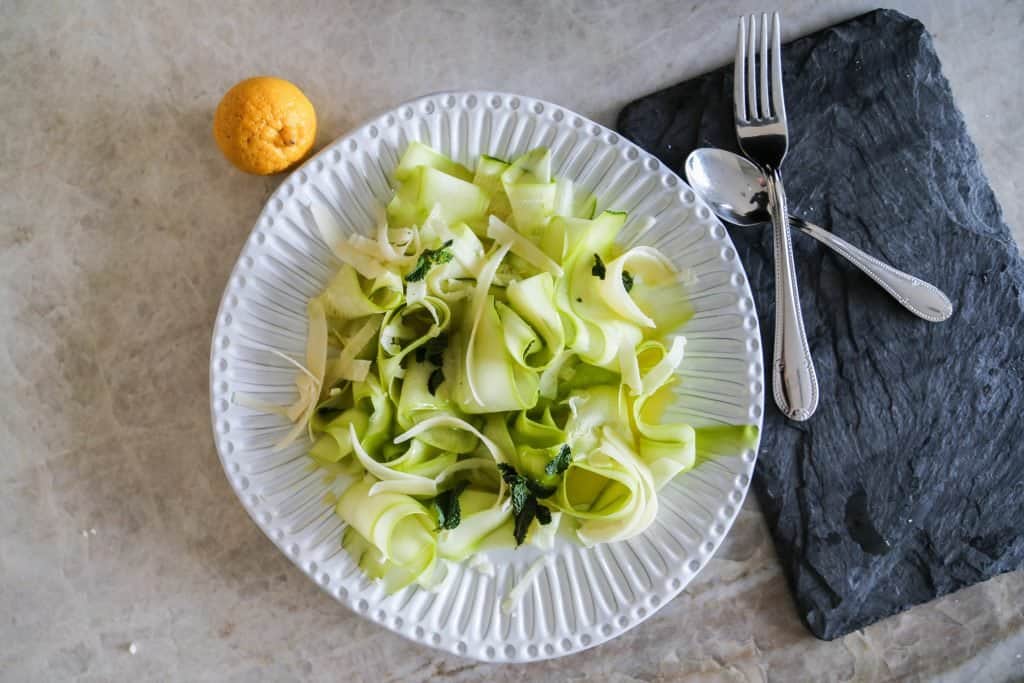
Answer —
561 462
525 508
520 496
524 518
433 350
428 259
508 473
444 254
420 271
435 380
627 281
539 490
598 270
543 515
449 513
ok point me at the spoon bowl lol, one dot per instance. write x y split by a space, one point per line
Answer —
732 186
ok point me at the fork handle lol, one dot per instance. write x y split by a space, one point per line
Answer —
794 382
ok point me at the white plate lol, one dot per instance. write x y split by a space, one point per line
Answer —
582 597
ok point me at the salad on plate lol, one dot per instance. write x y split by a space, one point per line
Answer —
491 368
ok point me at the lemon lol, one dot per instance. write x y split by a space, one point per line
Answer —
264 125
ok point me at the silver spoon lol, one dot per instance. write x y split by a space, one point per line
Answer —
735 190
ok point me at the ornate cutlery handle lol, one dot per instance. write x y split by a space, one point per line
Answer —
917 296
794 382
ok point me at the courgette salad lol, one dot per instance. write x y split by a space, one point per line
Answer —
490 367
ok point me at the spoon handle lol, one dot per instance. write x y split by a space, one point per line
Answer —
917 296
794 382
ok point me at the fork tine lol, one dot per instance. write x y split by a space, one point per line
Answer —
778 101
739 98
763 89
752 109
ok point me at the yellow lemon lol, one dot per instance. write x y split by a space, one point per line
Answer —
264 125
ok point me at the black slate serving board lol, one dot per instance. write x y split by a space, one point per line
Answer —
908 483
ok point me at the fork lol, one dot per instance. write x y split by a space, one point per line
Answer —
760 117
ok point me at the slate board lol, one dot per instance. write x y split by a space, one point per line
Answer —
908 483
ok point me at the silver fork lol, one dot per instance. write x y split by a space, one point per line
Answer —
760 115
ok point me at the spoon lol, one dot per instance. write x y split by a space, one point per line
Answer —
735 190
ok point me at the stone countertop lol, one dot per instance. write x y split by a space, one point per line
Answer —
119 224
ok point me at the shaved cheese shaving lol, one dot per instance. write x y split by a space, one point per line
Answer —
543 536
525 583
348 367
521 246
415 291
463 466
306 387
310 382
365 265
400 237
283 356
358 341
387 249
481 565
370 247
252 403
300 426
381 248
434 225
327 225
356 370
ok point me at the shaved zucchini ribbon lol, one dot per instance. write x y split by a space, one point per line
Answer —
491 319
